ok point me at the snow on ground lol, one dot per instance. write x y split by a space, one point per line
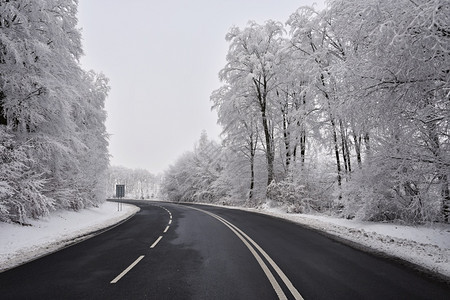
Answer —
427 246
20 244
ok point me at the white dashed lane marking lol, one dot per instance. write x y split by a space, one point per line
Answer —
165 230
124 272
156 242
127 269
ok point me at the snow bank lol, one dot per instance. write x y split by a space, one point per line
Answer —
425 246
20 244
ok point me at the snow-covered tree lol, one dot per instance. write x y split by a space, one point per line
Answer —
196 175
21 189
51 108
252 59
361 87
396 81
139 183
239 118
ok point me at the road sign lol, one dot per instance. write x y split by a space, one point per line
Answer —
120 190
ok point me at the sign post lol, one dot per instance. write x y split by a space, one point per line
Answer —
120 193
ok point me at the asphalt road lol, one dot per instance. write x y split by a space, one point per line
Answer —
171 251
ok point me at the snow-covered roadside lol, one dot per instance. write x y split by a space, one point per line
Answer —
20 244
425 246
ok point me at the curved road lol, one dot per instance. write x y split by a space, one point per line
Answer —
172 251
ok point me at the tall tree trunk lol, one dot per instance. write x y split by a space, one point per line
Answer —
300 139
368 149
303 146
343 142
336 151
3 118
333 125
261 92
252 176
269 148
294 152
445 193
357 141
347 154
253 144
286 137
303 136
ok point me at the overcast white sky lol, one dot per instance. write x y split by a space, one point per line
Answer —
162 59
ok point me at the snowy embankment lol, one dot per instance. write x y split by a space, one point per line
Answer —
20 244
426 246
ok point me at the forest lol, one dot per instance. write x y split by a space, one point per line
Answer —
53 141
342 111
139 183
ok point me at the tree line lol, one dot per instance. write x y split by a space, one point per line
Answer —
139 183
344 110
53 141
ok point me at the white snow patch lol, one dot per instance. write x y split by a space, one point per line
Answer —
20 244
427 246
